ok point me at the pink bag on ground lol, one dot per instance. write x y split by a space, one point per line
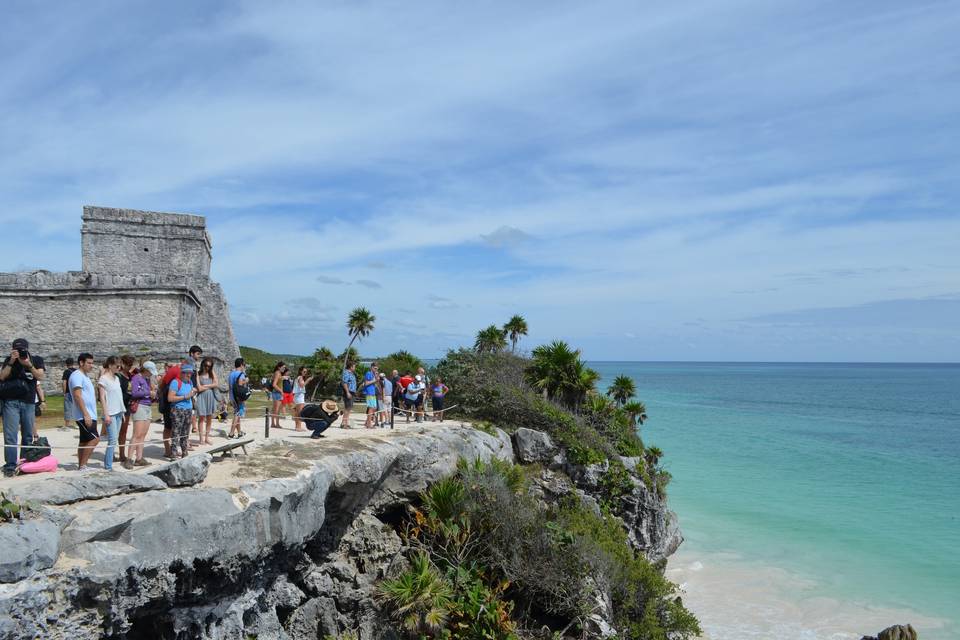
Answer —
47 463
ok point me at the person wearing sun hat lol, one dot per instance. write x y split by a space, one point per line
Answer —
180 396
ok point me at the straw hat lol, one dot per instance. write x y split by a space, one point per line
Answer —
328 406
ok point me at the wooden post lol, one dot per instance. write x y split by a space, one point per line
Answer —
266 422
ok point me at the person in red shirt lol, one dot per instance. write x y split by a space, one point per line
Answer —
404 382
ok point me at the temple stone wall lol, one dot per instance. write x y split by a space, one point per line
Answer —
145 290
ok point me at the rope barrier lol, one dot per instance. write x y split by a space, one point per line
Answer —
129 443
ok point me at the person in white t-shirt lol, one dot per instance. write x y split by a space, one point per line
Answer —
84 408
111 403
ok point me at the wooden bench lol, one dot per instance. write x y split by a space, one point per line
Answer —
227 449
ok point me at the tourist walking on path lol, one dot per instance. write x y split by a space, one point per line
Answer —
237 383
84 409
207 384
348 387
300 395
111 405
439 392
127 369
276 393
19 375
180 396
141 404
69 368
371 382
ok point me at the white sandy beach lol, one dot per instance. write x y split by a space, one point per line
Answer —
736 599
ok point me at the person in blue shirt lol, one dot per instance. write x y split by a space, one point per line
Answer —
237 377
180 395
371 383
348 387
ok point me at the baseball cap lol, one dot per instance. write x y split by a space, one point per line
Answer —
419 378
186 368
150 366
21 343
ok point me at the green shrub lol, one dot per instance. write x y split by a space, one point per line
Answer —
500 551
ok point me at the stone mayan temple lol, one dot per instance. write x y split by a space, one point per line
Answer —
145 289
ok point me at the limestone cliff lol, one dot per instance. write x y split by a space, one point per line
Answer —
129 556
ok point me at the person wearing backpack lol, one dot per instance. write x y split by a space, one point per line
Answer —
239 390
170 373
180 396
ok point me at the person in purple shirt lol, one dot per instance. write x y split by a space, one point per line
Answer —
142 394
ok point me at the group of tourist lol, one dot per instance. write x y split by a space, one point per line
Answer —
386 396
117 403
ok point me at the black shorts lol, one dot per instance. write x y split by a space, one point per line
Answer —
347 402
412 404
87 434
167 419
437 403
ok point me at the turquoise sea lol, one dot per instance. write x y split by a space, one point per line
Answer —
811 496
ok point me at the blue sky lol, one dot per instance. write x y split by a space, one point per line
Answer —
687 180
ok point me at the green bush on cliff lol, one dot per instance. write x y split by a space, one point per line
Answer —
494 387
488 560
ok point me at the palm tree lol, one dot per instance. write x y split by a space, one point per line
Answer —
637 411
622 390
490 340
653 455
515 328
359 324
557 371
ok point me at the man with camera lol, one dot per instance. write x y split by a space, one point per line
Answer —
19 376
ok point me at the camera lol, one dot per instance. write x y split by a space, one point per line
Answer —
23 354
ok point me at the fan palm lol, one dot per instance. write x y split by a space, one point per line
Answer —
359 324
622 389
557 371
515 328
490 340
419 597
637 411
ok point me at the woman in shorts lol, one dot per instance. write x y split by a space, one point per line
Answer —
276 394
142 395
438 393
300 395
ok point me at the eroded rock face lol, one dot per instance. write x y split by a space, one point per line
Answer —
533 446
283 558
67 489
27 546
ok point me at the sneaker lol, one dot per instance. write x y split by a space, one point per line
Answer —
8 473
141 463
82 469
128 464
241 434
